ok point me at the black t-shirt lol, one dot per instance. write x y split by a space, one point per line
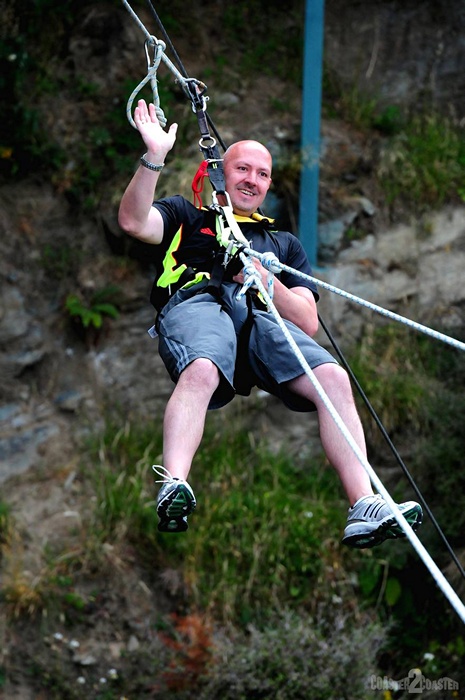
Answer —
189 241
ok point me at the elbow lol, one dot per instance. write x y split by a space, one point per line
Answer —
311 322
124 221
127 223
312 327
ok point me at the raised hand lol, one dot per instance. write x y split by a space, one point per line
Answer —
157 140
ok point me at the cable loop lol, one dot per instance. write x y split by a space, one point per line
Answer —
194 90
152 67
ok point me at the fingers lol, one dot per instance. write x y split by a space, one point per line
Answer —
144 115
141 114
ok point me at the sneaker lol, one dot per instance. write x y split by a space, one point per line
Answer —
370 522
174 502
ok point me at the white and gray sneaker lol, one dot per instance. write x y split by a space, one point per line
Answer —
174 502
370 521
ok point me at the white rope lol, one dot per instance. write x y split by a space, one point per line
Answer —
252 277
271 262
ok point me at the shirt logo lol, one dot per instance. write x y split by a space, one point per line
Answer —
207 232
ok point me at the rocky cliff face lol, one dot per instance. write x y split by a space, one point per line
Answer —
405 53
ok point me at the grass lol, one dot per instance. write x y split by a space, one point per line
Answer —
258 538
123 481
396 383
405 374
261 557
261 27
424 164
264 528
49 591
415 384
85 167
422 154
5 525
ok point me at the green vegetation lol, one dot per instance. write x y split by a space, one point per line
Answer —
36 41
262 557
92 314
416 385
88 315
291 659
124 482
5 525
424 165
345 103
397 383
271 39
422 153
261 554
258 513
60 260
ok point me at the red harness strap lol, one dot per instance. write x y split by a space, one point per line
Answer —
197 183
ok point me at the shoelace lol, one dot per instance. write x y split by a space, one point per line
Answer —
372 499
372 506
166 477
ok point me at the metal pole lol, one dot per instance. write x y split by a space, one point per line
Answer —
311 123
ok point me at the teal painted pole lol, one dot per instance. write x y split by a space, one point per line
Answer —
311 125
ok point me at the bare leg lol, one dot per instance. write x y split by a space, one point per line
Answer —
185 413
336 384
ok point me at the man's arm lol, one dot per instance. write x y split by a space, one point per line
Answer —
296 304
136 214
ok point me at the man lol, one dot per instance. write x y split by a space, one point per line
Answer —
215 346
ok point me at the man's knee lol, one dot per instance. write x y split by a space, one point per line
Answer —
333 376
201 373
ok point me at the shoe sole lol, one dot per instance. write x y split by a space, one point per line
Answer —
174 509
414 517
388 530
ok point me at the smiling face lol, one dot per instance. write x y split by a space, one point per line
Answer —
247 171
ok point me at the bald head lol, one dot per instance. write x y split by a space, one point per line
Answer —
247 172
248 148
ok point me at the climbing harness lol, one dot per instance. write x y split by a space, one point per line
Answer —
235 246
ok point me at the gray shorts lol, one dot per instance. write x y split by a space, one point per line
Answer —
194 325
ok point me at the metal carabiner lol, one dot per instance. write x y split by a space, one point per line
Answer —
195 91
159 46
